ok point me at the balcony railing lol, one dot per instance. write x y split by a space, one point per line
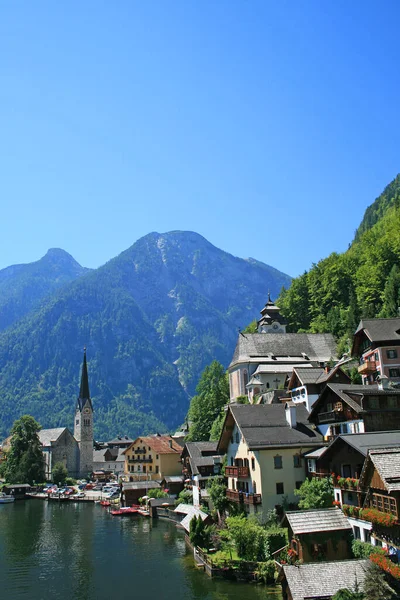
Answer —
369 366
140 460
242 472
330 417
237 496
140 451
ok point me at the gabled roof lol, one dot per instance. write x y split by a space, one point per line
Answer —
377 330
162 444
315 375
47 436
200 454
253 347
362 442
323 519
265 426
387 462
346 393
324 579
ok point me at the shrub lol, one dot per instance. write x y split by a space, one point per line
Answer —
266 571
364 549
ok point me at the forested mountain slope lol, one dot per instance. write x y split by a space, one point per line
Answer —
364 281
151 318
23 287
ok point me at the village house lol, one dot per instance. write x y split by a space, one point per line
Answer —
152 456
380 482
306 384
347 408
264 360
344 458
376 343
201 459
109 461
322 580
265 445
320 534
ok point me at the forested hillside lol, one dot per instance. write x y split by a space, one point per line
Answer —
151 318
364 281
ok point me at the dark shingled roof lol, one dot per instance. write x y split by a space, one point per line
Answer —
323 519
318 347
367 441
380 330
324 579
201 454
264 425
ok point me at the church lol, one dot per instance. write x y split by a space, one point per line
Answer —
75 451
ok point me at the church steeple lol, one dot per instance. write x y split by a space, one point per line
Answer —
84 394
271 320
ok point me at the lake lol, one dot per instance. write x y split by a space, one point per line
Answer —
80 552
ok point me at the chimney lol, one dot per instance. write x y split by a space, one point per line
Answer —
290 413
383 382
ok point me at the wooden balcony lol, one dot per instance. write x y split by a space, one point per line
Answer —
236 496
332 416
367 367
240 472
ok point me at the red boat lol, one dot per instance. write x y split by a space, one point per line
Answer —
105 503
125 510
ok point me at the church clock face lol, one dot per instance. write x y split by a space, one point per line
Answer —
86 411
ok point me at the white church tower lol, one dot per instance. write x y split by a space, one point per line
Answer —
83 425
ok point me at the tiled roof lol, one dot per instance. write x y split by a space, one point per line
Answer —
161 444
323 519
324 579
381 330
387 463
47 436
264 425
190 511
316 453
252 347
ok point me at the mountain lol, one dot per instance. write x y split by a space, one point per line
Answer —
364 281
152 318
23 287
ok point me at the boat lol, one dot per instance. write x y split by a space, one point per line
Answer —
5 499
105 503
125 511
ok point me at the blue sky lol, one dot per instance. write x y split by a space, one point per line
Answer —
268 127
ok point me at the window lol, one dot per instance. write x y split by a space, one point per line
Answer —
157 469
150 468
394 372
298 484
376 357
254 487
277 462
237 437
312 465
157 456
391 353
280 489
253 464
357 533
329 407
297 461
77 422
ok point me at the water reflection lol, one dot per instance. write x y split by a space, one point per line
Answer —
80 552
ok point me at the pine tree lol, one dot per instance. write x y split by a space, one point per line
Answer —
391 294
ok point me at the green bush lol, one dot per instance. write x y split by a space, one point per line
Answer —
70 481
266 571
364 549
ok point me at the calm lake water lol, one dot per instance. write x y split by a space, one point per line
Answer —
80 552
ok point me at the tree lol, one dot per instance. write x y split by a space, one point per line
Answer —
216 428
315 493
212 395
217 490
59 473
391 294
25 462
156 493
375 585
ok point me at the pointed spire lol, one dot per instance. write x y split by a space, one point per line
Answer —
269 297
84 393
